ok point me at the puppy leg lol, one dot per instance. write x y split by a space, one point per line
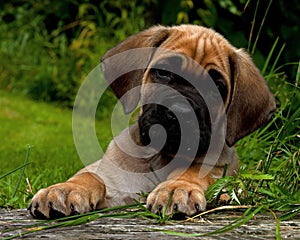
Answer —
83 192
182 192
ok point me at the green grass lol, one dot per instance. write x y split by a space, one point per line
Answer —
48 131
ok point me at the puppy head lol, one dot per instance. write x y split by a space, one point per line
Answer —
247 99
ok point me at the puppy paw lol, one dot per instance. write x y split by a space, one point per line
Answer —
66 199
177 196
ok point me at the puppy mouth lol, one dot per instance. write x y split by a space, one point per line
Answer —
177 129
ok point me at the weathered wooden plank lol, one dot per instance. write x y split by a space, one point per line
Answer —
261 227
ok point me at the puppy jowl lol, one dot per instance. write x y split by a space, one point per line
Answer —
197 95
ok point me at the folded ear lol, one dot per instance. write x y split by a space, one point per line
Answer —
125 71
252 104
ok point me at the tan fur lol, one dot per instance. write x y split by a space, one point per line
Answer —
248 106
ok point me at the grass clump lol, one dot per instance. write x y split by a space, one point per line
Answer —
269 177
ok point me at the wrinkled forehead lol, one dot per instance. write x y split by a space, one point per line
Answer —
175 62
206 48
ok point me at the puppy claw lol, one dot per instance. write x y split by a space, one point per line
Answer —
92 207
197 207
74 211
159 208
37 214
29 207
177 197
175 207
54 214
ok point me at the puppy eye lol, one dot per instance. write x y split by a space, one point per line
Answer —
214 74
161 73
219 81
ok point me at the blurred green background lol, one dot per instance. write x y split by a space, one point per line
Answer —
48 47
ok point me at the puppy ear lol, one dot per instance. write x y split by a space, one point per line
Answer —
252 104
121 71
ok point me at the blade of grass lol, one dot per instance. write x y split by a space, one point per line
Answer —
246 5
290 214
257 176
165 217
278 236
22 172
260 27
287 64
252 26
267 62
12 171
277 58
222 208
225 170
238 222
298 75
